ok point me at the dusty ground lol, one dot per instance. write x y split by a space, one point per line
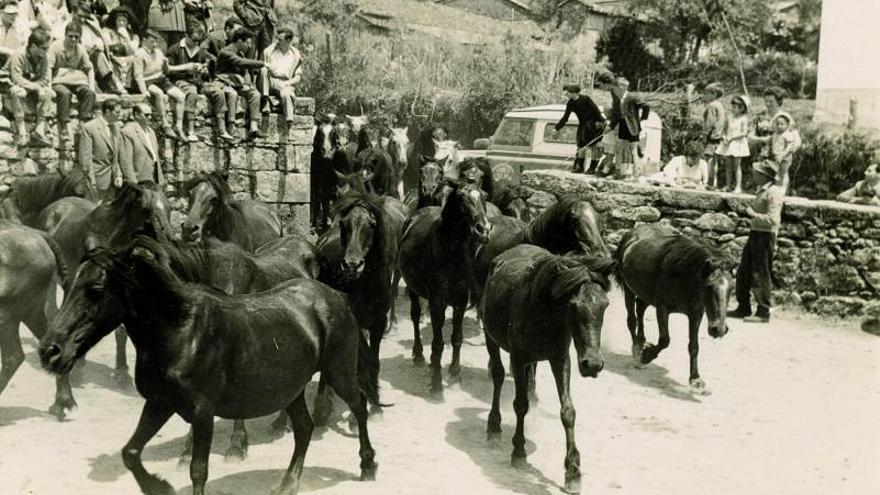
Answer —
793 411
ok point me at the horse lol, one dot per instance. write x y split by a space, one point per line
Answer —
396 144
657 266
430 183
202 353
321 178
78 226
214 212
536 304
383 176
229 268
29 196
512 200
29 258
434 260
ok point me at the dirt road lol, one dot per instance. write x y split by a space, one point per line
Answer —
794 410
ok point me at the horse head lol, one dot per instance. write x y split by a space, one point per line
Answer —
430 179
588 229
207 194
400 137
588 310
358 229
715 295
357 182
357 122
466 203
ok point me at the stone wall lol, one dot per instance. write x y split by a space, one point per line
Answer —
828 253
274 170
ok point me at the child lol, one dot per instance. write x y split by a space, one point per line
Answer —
736 143
714 124
150 76
783 143
688 170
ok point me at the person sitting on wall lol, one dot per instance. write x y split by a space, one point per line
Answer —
688 170
12 37
866 191
283 70
188 71
72 73
232 72
31 85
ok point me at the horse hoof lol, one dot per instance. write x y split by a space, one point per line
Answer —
60 407
637 363
648 354
698 387
518 462
369 473
235 454
436 388
122 379
493 432
572 485
158 486
418 359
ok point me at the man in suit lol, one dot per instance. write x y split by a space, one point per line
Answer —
97 153
139 149
627 112
258 16
590 124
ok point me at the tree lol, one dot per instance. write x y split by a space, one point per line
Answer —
624 46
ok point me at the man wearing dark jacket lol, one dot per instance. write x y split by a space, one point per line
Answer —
232 72
627 113
590 124
258 16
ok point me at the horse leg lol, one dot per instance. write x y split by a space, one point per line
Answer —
650 352
561 366
323 406
438 318
153 416
187 454
349 391
496 369
238 442
697 384
395 289
203 434
120 374
11 353
521 408
641 307
532 369
36 321
629 300
302 436
376 334
415 313
457 338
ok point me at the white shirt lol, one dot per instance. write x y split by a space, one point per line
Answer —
678 168
282 65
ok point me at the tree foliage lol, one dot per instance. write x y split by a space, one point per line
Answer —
625 48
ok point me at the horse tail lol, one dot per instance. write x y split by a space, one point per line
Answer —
61 267
617 273
368 371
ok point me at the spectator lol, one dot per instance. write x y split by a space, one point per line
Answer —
774 96
166 18
188 70
98 47
688 170
283 70
756 264
150 76
139 149
31 85
591 123
199 11
714 127
782 144
140 14
258 16
122 43
53 15
232 73
736 143
217 40
12 37
98 152
72 72
865 192
629 113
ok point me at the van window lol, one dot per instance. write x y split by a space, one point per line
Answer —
515 132
567 135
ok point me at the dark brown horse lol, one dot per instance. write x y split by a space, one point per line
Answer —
657 266
430 184
213 212
29 259
435 261
202 353
536 304
383 176
29 196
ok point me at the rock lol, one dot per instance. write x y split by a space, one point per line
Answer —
726 237
540 201
647 214
871 325
873 279
717 222
276 187
838 278
871 233
785 242
868 257
787 298
690 231
693 200
808 297
838 306
872 309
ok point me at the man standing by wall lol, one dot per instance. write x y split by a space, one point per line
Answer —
97 153
139 149
590 124
629 113
756 264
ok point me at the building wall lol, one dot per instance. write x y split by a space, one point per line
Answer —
849 63
498 9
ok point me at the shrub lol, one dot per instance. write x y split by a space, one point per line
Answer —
830 162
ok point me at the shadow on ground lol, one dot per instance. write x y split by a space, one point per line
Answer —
651 376
314 478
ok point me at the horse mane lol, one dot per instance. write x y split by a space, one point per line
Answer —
483 164
216 180
558 277
32 194
191 262
382 241
554 223
689 256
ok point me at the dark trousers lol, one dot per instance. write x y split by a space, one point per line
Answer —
84 96
753 274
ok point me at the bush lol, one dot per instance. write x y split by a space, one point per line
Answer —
829 162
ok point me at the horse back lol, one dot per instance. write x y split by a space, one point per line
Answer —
643 265
263 224
287 258
506 232
26 263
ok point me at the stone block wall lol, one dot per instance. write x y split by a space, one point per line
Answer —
828 253
274 170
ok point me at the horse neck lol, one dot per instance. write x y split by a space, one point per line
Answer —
9 210
454 227
155 314
553 236
227 223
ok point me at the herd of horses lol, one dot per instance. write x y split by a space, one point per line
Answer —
234 318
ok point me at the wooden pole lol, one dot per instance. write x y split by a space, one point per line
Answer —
742 73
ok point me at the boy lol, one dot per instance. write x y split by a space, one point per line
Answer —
714 127
756 264
29 71
232 71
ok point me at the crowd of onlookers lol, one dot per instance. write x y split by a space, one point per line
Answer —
166 50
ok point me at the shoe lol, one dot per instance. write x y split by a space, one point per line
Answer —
739 313
757 319
226 137
257 134
267 106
